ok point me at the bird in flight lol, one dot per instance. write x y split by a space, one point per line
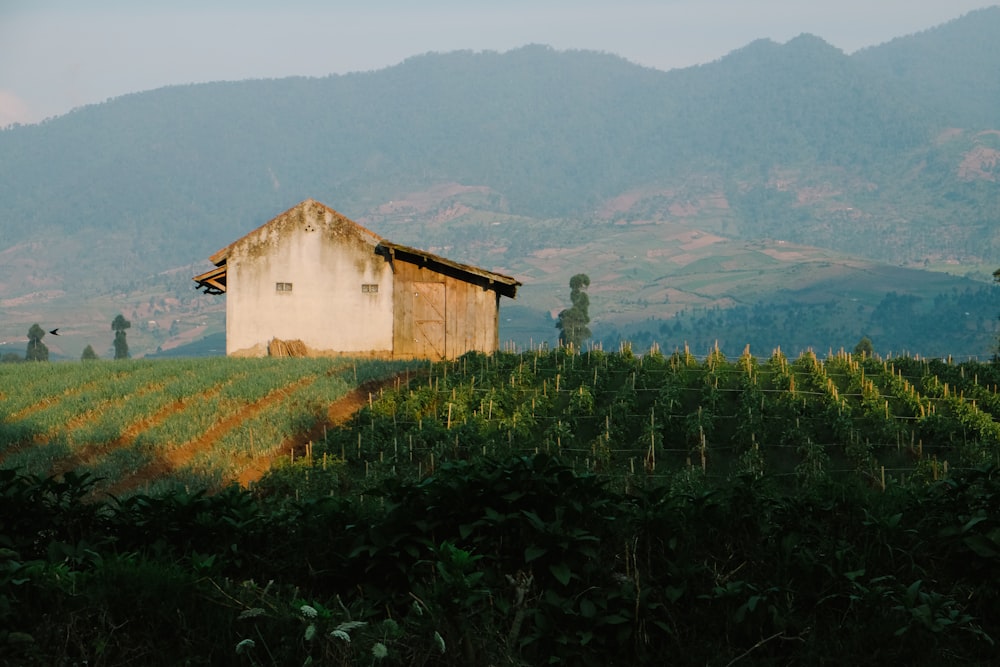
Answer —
53 332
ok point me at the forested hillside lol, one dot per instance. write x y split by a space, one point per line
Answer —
889 155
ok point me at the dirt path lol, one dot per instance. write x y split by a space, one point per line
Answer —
51 400
338 413
41 438
89 453
178 457
252 469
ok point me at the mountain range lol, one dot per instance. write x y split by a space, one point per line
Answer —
785 194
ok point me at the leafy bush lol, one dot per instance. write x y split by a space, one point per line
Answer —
517 561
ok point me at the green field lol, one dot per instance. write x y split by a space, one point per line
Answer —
518 508
657 418
150 425
154 425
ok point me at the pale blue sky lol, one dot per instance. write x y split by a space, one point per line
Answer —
59 54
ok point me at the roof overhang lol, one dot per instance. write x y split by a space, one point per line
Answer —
504 285
212 282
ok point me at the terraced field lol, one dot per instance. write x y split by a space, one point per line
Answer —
153 425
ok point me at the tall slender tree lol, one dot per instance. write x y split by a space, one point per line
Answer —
119 325
37 350
573 321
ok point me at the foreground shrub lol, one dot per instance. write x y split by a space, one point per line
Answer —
515 561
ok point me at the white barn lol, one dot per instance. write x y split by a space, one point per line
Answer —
314 277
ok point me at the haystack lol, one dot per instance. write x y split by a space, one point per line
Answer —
287 348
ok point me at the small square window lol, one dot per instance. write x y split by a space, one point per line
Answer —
282 287
369 288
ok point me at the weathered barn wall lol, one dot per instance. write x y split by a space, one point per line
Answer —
308 275
440 316
310 281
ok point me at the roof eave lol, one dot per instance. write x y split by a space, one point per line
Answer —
504 285
212 282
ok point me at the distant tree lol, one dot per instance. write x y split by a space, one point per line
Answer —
37 350
996 350
119 325
864 348
88 354
10 358
573 321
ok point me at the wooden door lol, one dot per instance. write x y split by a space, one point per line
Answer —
429 320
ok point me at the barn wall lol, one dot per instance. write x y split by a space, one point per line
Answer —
469 320
326 260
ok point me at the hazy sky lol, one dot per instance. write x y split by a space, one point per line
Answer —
60 54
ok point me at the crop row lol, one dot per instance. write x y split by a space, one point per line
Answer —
659 416
202 423
196 422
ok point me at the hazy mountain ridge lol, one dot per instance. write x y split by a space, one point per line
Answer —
797 142
941 68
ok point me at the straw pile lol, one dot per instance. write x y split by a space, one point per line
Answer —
287 348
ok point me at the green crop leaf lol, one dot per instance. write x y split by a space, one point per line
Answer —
911 592
616 619
493 515
561 572
972 522
982 546
674 593
533 552
535 520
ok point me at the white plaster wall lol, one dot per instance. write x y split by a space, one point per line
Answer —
327 260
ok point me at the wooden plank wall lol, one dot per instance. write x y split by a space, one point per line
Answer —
471 318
